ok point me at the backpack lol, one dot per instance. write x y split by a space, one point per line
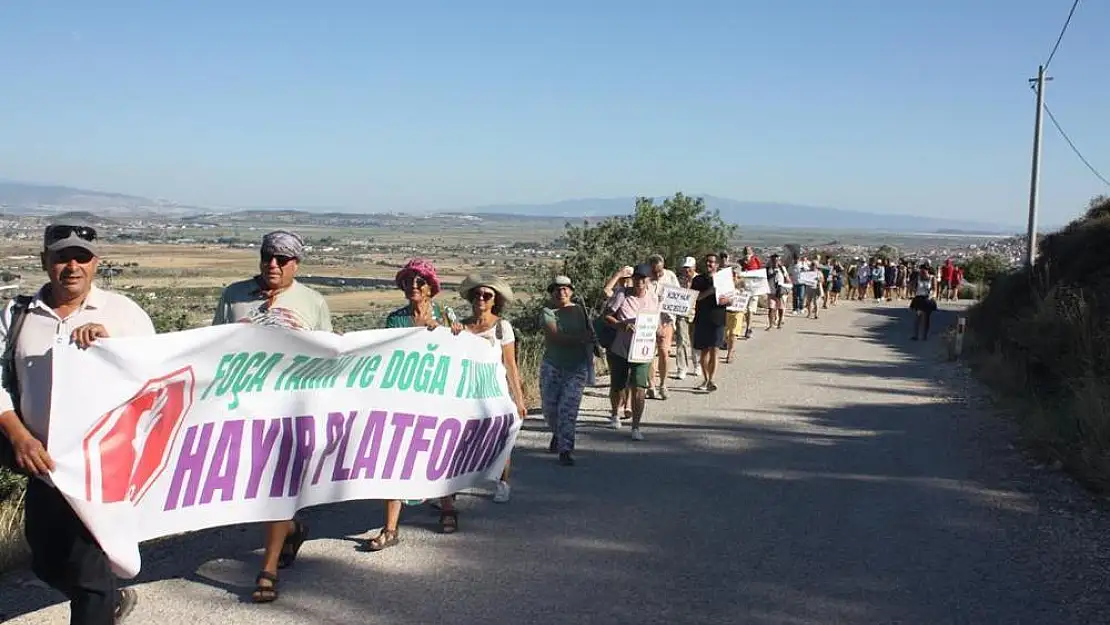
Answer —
10 381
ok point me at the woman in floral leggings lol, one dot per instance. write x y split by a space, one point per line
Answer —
565 367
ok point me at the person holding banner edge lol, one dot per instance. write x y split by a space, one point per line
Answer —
488 296
419 281
70 307
274 297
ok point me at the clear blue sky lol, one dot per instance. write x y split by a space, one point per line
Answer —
883 105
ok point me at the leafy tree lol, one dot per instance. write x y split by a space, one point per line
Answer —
1099 207
680 226
984 269
886 252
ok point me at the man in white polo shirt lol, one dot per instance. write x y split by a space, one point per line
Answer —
275 298
68 308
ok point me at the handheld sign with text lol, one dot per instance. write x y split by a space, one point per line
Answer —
809 278
739 302
240 423
678 301
643 337
755 281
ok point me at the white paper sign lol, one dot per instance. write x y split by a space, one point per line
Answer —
809 278
755 282
740 301
678 301
240 423
724 281
643 337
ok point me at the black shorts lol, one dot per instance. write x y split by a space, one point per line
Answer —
707 335
923 303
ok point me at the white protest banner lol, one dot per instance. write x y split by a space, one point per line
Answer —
643 337
678 301
755 281
809 278
724 281
240 423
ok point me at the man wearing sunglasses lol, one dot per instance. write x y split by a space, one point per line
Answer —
69 308
275 298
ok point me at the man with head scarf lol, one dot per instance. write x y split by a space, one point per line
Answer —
275 298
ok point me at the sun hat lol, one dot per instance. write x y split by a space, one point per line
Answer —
496 284
419 267
559 281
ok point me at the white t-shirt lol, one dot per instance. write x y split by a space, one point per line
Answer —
668 279
507 335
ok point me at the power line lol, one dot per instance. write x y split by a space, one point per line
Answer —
1063 134
1061 37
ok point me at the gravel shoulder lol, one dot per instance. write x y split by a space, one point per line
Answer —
841 474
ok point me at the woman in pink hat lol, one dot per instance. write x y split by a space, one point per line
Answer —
420 283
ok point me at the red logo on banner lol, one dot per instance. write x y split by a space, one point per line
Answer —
128 448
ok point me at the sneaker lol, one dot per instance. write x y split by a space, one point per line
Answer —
650 393
680 374
661 392
702 387
503 492
636 436
615 422
711 387
125 603
697 372
566 459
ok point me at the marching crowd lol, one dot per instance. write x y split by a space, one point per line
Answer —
70 307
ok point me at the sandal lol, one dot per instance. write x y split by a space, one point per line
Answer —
448 521
292 545
265 593
384 540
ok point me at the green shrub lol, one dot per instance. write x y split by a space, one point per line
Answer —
1042 337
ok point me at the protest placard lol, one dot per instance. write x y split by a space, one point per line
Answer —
238 423
755 281
809 278
724 281
678 301
643 337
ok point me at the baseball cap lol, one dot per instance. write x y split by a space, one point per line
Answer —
59 237
689 262
643 270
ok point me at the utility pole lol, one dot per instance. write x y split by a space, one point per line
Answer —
1035 176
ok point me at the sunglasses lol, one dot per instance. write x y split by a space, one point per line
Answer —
418 282
484 296
61 232
281 260
63 257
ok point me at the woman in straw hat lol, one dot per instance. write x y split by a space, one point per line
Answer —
488 296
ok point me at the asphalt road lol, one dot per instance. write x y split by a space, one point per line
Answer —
842 474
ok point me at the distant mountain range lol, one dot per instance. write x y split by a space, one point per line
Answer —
34 199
